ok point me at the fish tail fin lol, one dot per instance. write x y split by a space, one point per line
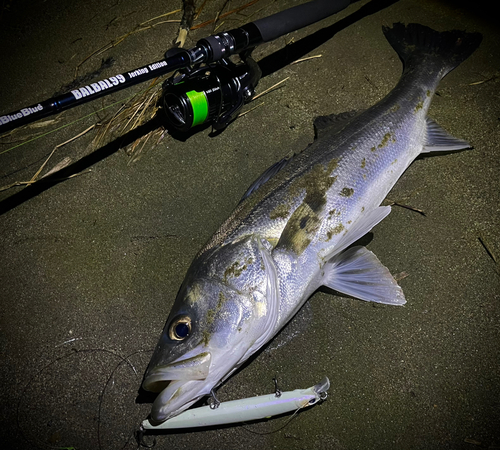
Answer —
443 51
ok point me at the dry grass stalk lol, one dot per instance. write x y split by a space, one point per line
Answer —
200 9
401 276
65 162
29 137
136 150
146 25
43 123
218 15
483 81
28 183
222 16
247 18
273 87
141 108
246 112
270 89
411 208
219 26
305 59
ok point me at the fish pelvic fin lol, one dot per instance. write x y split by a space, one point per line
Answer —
442 50
359 273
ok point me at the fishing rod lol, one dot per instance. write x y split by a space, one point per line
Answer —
209 88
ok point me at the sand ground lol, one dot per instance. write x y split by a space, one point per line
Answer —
91 265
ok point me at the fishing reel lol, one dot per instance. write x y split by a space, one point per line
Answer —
210 94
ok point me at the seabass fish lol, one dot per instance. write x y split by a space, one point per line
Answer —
292 230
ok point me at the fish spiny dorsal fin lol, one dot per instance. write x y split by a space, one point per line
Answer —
322 125
266 176
332 123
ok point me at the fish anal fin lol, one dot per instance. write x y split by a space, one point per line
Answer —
439 140
359 273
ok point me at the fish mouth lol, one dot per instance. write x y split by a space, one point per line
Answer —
179 383
193 368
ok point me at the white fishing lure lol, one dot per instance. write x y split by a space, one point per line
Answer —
245 410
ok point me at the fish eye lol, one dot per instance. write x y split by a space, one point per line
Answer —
180 328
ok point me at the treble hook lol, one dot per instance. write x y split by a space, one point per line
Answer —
277 390
213 401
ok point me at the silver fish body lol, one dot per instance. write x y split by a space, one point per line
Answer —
292 231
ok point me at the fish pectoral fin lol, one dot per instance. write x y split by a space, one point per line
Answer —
359 273
358 229
439 140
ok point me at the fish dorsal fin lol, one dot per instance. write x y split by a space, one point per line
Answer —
322 124
439 140
359 273
266 176
332 122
